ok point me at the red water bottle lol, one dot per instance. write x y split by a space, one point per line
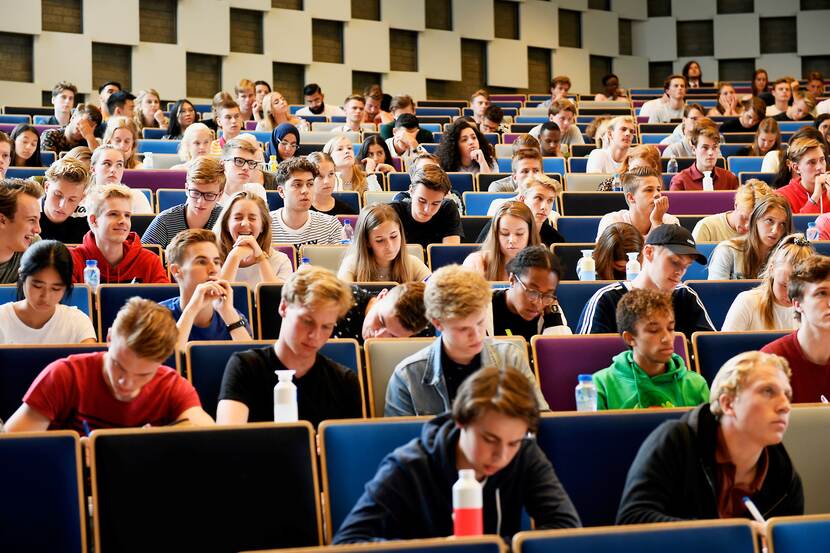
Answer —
467 513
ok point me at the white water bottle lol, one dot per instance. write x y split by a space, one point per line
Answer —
148 160
272 164
92 275
348 231
708 183
586 393
586 268
632 268
467 505
285 398
672 165
812 231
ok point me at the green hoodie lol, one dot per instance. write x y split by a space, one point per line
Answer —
624 385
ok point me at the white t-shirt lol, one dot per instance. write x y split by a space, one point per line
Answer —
328 110
348 268
624 216
745 314
772 111
648 108
372 184
570 137
69 325
278 261
771 162
254 187
600 161
319 228
664 113
823 107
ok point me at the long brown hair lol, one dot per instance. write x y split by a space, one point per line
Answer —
613 244
768 125
224 239
366 267
494 258
750 245
791 249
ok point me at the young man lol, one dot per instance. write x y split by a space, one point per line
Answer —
800 110
428 217
241 164
649 374
63 99
550 137
815 84
313 299
204 185
563 113
65 185
668 252
229 121
107 164
79 132
404 140
121 104
410 495
525 164
680 140
559 88
807 349
539 194
479 101
245 96
104 93
204 308
675 89
395 313
118 251
399 106
782 93
700 466
314 103
125 386
491 120
425 383
373 113
295 223
647 208
754 112
353 106
19 223
705 139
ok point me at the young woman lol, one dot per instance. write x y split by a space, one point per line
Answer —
513 229
760 82
621 131
644 155
613 245
734 223
284 143
148 112
744 257
463 148
728 102
195 142
808 189
768 307
375 148
122 133
611 90
275 113
693 74
767 139
244 239
378 251
822 123
182 116
26 150
350 175
321 196
6 147
38 317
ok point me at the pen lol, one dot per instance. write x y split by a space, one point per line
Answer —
824 399
756 514
86 427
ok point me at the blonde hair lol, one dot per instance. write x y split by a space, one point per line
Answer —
69 169
115 123
791 249
268 121
204 170
242 85
138 115
147 328
750 193
800 146
175 250
189 136
544 181
750 244
366 266
735 375
99 194
454 292
223 233
312 286
358 176
647 152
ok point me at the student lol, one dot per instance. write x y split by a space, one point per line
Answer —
735 223
649 374
350 175
425 383
675 89
464 149
491 120
314 103
204 307
768 306
529 306
122 133
700 466
526 164
244 237
746 255
65 185
295 223
644 155
767 139
378 251
621 132
149 114
613 245
313 300
760 82
777 162
375 149
63 100
104 92
182 116
512 230
693 75
539 195
121 104
706 141
284 143
782 93
135 391
815 84
560 86
261 89
563 113
354 107
806 349
6 147
822 124
404 140
668 252
80 131
679 141
195 142
479 102
488 431
25 146
19 224
275 113
807 192
245 96
203 186
322 199
392 313
38 317
728 104
550 138
241 164
647 209
400 105
754 111
229 121
373 112
107 165
611 90
121 257
428 217
800 110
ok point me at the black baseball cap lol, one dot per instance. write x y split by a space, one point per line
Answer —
677 239
407 121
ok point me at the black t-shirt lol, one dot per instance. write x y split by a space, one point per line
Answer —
340 208
446 222
351 325
327 391
507 323
71 231
547 233
455 374
734 125
783 117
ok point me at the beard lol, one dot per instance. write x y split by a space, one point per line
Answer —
319 109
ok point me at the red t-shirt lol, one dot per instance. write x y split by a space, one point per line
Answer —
809 381
73 390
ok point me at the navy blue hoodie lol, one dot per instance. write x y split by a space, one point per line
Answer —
411 495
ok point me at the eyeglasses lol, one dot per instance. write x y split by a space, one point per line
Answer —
535 295
196 194
241 162
291 145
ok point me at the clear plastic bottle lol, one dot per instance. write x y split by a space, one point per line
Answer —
586 393
285 398
672 165
467 505
616 185
92 275
586 268
272 164
812 231
632 268
708 183
148 160
348 231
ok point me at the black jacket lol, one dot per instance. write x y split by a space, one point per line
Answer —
674 476
411 494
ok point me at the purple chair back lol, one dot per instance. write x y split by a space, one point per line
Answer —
8 128
290 251
250 125
559 359
700 203
154 178
396 163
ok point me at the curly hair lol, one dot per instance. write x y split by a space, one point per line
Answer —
638 304
447 150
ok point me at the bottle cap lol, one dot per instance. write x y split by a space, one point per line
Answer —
305 260
91 263
347 221
587 253
632 256
466 474
285 375
585 378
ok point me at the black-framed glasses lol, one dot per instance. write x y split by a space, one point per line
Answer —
241 162
536 295
196 194
291 145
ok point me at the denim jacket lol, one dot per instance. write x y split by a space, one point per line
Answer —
417 387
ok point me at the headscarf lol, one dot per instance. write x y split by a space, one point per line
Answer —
277 135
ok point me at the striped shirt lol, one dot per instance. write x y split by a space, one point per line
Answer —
171 222
318 229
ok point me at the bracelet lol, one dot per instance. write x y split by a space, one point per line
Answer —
238 324
260 257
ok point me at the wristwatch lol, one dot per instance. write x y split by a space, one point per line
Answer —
238 324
